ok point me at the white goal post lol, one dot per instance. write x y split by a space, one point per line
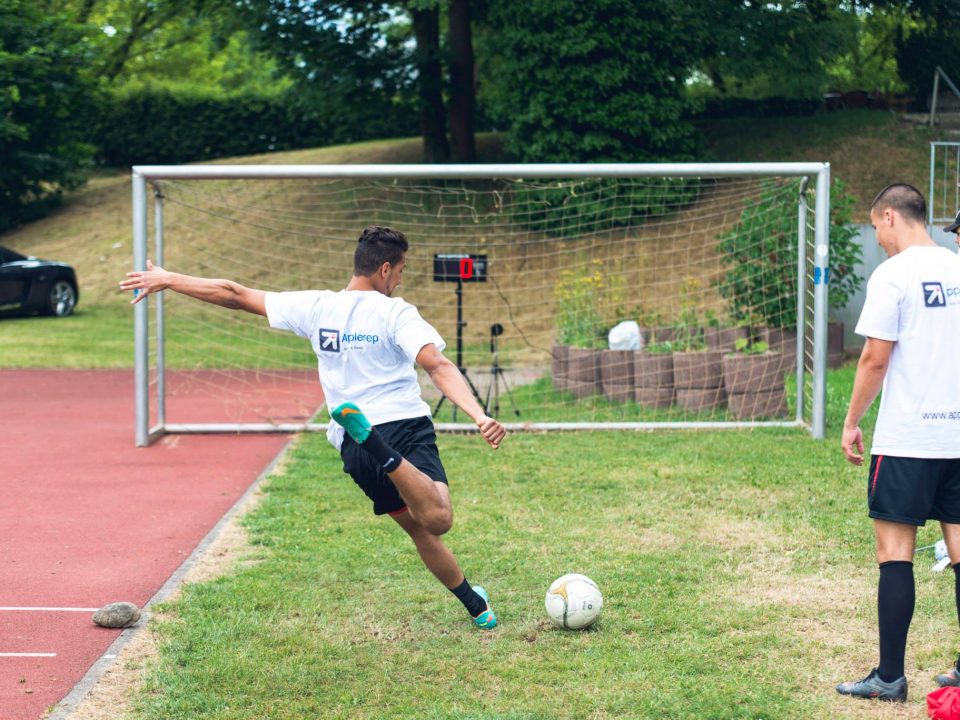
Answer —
278 226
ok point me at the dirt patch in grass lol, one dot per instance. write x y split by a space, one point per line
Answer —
827 618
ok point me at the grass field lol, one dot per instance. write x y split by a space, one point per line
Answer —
737 571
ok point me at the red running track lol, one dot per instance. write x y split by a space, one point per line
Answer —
86 518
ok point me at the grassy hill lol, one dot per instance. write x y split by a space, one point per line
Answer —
867 150
92 230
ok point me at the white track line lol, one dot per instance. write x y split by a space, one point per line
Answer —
27 655
48 609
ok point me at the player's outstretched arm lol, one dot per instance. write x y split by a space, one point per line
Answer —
225 293
448 380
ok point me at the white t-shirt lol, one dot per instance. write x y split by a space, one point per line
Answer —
913 298
366 345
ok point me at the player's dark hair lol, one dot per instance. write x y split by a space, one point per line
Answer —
905 199
378 245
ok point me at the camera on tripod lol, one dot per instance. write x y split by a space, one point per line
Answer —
492 401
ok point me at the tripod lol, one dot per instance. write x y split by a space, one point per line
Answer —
463 371
497 376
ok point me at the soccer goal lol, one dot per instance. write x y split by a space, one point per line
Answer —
602 296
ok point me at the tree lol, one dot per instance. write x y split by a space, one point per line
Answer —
597 81
356 55
462 88
760 49
347 59
173 43
45 96
429 68
430 56
928 39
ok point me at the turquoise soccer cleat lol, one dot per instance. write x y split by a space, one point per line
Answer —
487 620
353 421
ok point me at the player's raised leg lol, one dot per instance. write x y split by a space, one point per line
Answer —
429 506
441 562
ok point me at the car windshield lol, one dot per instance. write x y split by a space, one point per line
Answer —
7 256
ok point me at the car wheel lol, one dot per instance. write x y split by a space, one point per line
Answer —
62 299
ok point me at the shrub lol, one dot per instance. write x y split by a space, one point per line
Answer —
570 89
589 300
569 208
761 253
165 125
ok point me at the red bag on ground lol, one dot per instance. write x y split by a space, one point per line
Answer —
944 704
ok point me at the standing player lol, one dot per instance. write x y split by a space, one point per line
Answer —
954 227
911 322
366 344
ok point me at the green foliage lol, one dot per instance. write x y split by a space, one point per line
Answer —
659 348
750 346
597 81
871 62
578 294
44 88
688 331
931 42
761 253
174 125
351 62
590 299
758 50
845 253
573 208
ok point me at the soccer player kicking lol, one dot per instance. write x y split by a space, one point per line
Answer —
366 344
911 322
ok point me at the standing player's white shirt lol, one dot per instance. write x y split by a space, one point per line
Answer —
366 345
913 298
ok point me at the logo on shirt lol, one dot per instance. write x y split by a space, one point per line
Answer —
933 295
335 341
329 340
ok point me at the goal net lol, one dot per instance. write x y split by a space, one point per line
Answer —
615 296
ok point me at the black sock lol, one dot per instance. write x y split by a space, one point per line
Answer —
895 600
471 601
956 593
388 458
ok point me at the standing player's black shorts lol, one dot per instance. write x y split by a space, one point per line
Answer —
415 439
914 490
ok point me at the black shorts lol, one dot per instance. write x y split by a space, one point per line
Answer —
415 439
914 490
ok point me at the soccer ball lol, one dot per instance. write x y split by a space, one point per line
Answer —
574 601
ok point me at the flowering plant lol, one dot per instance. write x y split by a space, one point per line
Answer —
584 295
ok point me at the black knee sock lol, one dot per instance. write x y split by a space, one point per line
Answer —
471 601
956 594
895 600
388 458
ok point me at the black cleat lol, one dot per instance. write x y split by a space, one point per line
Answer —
951 678
872 687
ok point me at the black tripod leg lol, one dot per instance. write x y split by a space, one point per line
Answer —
513 404
490 387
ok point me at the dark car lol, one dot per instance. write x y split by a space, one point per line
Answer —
29 285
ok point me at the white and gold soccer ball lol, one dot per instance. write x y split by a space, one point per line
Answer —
574 601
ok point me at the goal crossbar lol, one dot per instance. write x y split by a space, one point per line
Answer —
819 173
